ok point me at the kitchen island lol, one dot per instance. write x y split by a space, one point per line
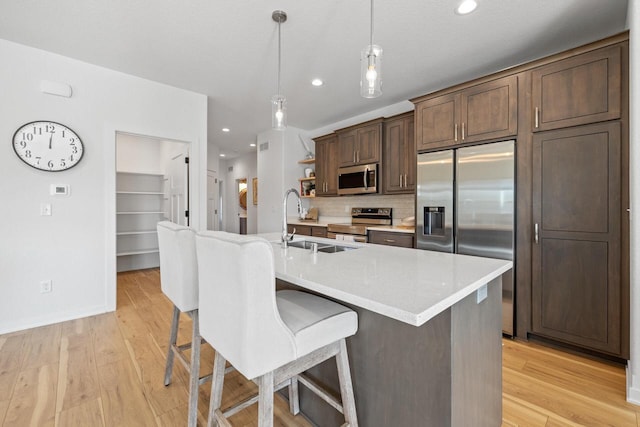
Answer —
428 347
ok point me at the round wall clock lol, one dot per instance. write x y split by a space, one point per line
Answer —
48 146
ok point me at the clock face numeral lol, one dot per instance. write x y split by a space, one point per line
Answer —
48 146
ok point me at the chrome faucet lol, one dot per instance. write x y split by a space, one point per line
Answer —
286 237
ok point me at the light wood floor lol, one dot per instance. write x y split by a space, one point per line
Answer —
108 370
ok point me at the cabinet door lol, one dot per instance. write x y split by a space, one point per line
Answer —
319 231
489 110
579 90
436 122
576 256
327 166
393 156
399 156
411 156
347 143
369 143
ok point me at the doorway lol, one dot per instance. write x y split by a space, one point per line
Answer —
242 205
152 185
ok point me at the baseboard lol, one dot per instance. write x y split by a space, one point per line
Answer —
51 319
633 386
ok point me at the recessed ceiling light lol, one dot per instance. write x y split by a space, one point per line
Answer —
467 6
317 82
225 129
222 155
252 145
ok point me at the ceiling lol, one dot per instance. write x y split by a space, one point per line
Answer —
227 49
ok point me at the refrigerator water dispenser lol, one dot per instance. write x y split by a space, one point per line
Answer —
433 221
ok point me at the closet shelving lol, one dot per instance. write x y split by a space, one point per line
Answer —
140 205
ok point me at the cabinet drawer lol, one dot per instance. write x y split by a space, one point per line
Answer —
301 230
404 240
319 231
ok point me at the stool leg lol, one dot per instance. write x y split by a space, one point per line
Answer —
173 337
217 382
294 398
194 374
265 400
346 387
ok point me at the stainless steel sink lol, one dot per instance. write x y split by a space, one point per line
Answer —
335 248
304 244
322 247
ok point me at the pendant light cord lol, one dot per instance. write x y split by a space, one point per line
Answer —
279 57
371 39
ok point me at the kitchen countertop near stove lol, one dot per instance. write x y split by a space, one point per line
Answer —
392 228
404 284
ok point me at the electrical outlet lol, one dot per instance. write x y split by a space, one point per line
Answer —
482 294
45 286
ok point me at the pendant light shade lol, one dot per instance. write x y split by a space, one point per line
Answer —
278 101
279 112
371 67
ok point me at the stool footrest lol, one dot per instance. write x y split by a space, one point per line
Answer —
320 392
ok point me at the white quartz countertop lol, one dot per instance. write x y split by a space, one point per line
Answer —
408 285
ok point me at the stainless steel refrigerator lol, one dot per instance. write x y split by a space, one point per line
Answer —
465 204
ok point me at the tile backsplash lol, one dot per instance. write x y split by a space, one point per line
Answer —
335 208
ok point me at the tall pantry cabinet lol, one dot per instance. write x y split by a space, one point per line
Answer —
578 171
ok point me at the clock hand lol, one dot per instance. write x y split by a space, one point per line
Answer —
50 138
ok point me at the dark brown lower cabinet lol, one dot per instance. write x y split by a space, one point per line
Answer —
576 257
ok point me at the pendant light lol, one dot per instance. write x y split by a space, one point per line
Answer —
371 67
278 101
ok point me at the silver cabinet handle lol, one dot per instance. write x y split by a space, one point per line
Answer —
354 157
400 180
537 118
455 132
463 131
358 156
405 180
536 234
389 240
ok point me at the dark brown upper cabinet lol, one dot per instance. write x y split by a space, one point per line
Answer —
360 144
490 110
327 165
578 90
483 112
399 155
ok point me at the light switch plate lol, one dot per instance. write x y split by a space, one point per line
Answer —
45 209
481 294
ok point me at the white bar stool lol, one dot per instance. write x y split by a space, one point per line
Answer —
179 282
269 337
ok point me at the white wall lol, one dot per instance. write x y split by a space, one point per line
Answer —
278 170
75 247
138 154
243 167
633 369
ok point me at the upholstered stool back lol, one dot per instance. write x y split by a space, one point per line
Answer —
178 265
238 311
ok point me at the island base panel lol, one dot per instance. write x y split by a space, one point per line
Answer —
446 372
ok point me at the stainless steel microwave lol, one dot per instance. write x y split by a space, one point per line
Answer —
360 179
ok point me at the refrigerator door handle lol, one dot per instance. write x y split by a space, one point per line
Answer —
536 235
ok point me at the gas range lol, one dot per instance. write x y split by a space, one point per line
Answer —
361 218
